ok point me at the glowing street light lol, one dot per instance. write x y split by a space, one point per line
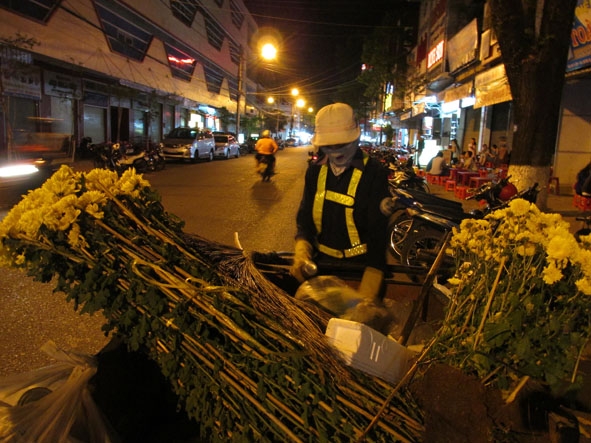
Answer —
268 51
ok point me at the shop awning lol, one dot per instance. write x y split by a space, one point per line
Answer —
455 93
492 87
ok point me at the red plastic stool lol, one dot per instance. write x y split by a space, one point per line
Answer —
450 185
461 192
585 204
577 200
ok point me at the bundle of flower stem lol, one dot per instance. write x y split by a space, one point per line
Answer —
247 361
521 306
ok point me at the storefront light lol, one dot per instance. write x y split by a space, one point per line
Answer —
450 107
468 101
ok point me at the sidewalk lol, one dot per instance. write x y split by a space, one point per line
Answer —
561 204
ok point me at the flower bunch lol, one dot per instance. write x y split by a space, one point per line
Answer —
521 299
247 361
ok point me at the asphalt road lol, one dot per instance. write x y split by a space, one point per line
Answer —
217 200
221 201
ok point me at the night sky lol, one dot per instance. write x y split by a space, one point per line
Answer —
322 40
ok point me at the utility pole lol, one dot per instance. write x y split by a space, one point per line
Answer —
239 92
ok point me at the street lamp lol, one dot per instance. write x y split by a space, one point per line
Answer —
268 51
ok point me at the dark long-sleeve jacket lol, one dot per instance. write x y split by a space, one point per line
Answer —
371 224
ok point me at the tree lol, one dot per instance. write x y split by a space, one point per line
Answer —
533 37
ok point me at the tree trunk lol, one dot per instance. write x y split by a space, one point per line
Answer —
533 37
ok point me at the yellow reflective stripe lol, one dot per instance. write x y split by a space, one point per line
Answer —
354 182
346 200
318 206
351 228
342 199
347 253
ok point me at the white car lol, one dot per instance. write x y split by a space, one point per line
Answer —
226 145
188 144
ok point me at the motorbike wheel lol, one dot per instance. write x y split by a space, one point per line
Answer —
420 248
581 233
398 227
140 165
423 186
159 163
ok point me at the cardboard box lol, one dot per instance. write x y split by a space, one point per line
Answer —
368 350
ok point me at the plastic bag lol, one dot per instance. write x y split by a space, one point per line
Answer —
330 293
53 404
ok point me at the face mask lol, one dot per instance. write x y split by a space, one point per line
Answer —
341 158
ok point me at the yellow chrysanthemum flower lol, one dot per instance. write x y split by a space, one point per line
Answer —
62 214
561 247
584 285
551 273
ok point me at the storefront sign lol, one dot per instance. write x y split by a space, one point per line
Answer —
418 108
61 85
25 82
435 55
405 116
458 93
579 55
461 48
492 87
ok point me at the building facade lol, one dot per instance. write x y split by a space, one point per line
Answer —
457 87
119 70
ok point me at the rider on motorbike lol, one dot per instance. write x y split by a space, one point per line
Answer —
266 147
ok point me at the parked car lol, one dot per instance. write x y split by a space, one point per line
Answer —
188 144
226 145
292 141
249 144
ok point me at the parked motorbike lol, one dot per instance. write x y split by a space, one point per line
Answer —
403 176
119 157
586 230
313 157
400 220
429 223
155 157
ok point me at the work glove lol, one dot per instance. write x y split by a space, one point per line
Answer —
302 266
371 284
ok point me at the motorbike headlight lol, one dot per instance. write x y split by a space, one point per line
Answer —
17 170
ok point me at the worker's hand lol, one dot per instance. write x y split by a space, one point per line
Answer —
302 260
371 283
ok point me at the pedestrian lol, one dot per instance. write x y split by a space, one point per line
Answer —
457 154
437 165
486 156
339 218
472 147
469 161
266 146
503 153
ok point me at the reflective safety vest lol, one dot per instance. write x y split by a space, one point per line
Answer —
347 200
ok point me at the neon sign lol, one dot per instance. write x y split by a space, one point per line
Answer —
435 55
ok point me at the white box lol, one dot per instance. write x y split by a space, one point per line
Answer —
368 350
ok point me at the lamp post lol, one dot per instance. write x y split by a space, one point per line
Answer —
239 92
268 51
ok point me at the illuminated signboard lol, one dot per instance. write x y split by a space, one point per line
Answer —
435 55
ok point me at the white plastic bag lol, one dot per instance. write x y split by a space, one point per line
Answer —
329 292
64 411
